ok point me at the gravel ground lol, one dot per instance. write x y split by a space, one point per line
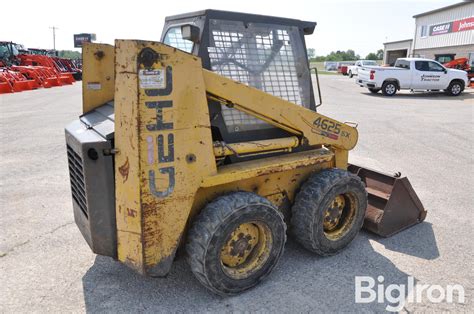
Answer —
46 266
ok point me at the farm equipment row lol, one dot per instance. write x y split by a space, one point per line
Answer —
22 70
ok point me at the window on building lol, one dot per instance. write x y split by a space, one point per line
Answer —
424 30
174 38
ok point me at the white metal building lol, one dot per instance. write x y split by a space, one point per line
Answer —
396 49
443 34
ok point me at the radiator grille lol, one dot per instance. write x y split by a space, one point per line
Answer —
76 174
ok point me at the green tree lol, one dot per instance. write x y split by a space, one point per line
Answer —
371 56
339 55
380 54
375 56
69 54
311 53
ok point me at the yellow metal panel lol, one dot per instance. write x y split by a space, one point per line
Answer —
127 161
316 128
166 138
259 167
98 81
278 187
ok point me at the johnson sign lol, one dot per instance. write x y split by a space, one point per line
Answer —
463 25
452 27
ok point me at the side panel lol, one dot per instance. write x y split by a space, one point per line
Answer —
165 149
127 160
98 75
279 187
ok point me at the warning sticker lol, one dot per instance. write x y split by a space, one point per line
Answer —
151 79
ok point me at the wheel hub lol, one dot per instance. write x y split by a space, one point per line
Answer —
456 89
390 89
339 217
333 214
246 249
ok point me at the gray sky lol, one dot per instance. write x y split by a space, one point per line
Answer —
362 25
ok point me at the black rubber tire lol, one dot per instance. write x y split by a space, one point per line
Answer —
389 88
350 74
315 196
374 90
455 88
211 229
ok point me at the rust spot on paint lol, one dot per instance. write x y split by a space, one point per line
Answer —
131 212
123 169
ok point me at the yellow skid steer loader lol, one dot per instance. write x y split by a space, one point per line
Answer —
210 140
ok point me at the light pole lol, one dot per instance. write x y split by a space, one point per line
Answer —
54 28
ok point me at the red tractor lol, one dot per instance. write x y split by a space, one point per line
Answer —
462 64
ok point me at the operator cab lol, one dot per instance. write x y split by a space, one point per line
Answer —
268 53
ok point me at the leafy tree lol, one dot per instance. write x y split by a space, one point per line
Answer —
380 54
375 56
311 53
69 54
371 56
348 55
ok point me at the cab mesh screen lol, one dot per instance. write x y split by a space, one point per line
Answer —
268 57
174 38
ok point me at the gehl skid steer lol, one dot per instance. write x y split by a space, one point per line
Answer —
210 141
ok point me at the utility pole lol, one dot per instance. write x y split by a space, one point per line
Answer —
54 28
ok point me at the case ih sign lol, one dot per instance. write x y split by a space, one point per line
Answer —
83 38
452 27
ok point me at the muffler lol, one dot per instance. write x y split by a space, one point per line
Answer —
392 203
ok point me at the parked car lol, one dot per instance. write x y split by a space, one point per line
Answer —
354 69
342 68
330 65
414 74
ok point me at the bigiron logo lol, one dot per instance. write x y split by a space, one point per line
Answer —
397 295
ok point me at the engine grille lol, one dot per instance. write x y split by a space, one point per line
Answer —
76 174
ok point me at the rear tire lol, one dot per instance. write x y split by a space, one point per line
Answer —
389 88
374 90
329 211
235 242
350 74
455 88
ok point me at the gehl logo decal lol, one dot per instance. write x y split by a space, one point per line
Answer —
165 151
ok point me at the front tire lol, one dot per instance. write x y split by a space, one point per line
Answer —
329 211
235 242
389 88
350 74
455 88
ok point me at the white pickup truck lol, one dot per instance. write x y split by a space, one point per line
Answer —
414 74
354 69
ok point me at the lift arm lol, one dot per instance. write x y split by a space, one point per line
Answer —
311 127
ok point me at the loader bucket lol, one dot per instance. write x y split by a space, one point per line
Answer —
5 88
392 203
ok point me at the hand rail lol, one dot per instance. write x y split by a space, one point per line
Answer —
319 89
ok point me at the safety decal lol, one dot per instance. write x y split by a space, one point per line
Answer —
152 79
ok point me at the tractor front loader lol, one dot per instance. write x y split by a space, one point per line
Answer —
210 140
